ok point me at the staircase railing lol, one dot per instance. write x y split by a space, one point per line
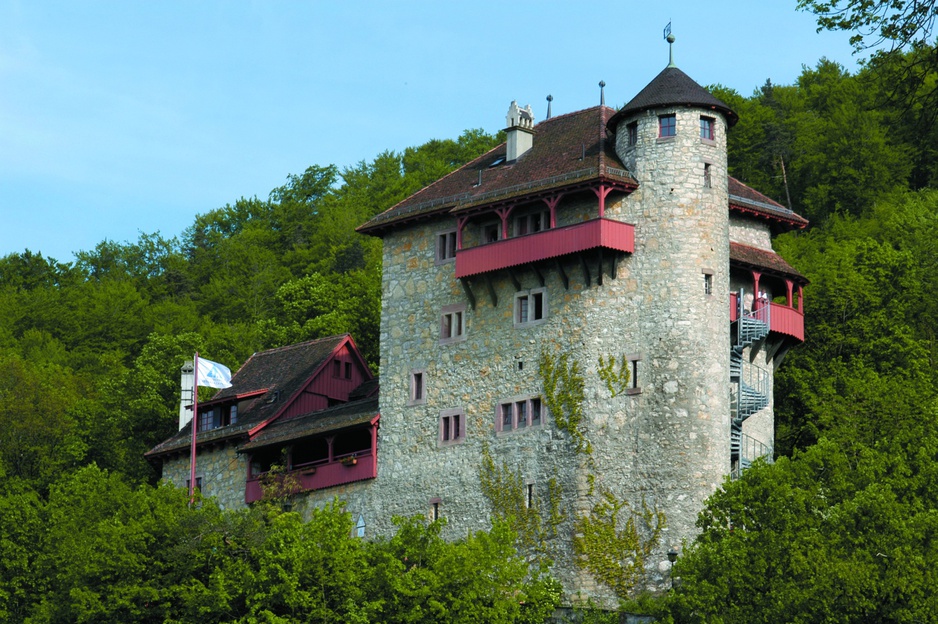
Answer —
751 387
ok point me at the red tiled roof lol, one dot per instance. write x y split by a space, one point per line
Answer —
750 201
567 150
764 260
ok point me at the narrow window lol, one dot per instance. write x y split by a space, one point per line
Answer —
360 526
348 370
634 380
667 126
633 133
521 409
234 414
451 426
435 509
708 284
336 368
452 323
530 496
417 389
708 176
530 307
445 246
507 417
535 412
706 128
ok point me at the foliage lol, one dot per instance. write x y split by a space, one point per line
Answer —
533 525
613 541
564 385
617 381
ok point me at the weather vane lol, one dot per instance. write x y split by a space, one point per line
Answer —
670 39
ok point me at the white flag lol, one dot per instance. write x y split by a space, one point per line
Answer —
213 375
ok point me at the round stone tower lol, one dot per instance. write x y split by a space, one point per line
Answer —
672 138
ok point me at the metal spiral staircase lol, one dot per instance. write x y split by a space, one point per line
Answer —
750 384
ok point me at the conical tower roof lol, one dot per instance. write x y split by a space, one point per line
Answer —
672 87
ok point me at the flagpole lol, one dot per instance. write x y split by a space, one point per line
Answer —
195 422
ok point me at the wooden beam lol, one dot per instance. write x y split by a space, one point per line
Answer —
599 277
491 289
615 266
469 295
563 274
514 279
586 270
540 276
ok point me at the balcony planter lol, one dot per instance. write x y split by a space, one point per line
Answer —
349 461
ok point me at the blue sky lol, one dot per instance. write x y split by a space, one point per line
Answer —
118 118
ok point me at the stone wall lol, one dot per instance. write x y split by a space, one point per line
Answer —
222 470
750 232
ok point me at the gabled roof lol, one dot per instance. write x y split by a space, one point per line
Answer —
672 87
747 200
274 378
336 418
568 150
764 260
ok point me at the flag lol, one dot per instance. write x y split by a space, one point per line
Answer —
213 375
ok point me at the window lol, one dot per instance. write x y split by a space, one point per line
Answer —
342 370
417 390
435 509
531 223
198 484
207 420
348 370
452 426
519 413
708 176
360 526
667 126
530 307
634 387
633 133
708 282
491 232
233 418
445 247
336 368
453 324
529 496
706 128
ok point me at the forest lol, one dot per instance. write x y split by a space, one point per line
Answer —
841 527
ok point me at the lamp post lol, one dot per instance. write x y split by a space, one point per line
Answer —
672 557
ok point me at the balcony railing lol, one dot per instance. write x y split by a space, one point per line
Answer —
593 234
318 475
783 320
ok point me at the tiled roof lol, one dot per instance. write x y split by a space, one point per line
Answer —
672 87
747 200
282 372
567 150
366 389
315 423
764 260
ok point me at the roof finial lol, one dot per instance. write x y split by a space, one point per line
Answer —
602 92
550 99
670 39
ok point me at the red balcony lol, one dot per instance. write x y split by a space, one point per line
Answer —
593 234
319 475
782 319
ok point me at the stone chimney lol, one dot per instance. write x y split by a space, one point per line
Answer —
185 397
520 130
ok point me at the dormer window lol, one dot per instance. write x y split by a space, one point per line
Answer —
667 126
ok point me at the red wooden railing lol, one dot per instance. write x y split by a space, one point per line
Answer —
554 243
322 475
782 319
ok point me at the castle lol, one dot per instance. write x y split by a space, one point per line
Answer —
599 235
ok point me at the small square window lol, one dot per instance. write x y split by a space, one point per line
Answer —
417 389
453 323
706 128
530 307
445 247
667 126
452 427
519 413
632 129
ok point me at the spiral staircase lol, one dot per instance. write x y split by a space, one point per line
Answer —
750 383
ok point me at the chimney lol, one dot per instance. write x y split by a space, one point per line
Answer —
185 397
520 130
